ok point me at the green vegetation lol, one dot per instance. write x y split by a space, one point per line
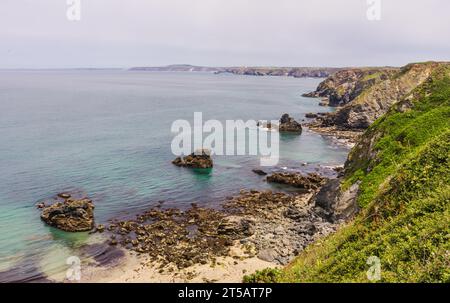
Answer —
403 164
268 275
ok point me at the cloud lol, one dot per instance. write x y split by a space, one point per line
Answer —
117 33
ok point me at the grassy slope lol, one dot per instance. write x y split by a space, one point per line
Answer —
405 195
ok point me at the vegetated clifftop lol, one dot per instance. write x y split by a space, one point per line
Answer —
375 97
298 72
400 169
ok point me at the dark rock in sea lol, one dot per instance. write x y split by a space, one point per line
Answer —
311 115
100 228
40 205
201 159
311 181
259 172
288 124
71 215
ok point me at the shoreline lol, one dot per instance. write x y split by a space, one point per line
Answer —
280 232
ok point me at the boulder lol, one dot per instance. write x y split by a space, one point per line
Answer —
71 215
200 159
337 204
288 124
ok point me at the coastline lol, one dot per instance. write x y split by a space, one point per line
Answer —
279 232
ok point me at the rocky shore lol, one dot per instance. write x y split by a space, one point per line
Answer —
271 226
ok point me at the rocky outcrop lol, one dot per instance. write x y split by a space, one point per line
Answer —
375 100
201 159
288 124
71 215
335 203
311 181
344 86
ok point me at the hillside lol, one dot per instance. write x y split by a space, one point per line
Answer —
401 169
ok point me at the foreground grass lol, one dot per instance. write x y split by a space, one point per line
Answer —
403 165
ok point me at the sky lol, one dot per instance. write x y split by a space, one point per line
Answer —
127 33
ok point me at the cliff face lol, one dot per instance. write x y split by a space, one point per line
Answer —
367 94
399 173
345 85
377 99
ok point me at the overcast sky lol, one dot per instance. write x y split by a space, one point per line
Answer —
125 33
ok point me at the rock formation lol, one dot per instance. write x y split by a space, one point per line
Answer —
288 124
311 181
70 215
201 159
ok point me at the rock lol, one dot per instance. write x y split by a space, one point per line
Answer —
236 227
288 124
336 204
295 213
268 255
310 181
72 215
365 95
343 86
100 228
311 115
40 205
199 159
259 172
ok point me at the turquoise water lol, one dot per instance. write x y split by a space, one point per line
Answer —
107 134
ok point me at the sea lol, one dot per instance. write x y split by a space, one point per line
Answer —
106 134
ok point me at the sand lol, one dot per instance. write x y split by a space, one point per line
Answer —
138 269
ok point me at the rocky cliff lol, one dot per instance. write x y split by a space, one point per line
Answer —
376 98
398 174
344 86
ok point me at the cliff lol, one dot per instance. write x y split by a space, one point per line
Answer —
366 100
344 86
398 176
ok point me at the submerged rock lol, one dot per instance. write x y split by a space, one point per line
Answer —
259 172
288 124
71 215
201 159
